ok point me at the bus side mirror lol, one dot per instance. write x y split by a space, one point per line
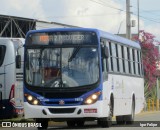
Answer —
18 61
105 52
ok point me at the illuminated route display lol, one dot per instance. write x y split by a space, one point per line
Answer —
59 38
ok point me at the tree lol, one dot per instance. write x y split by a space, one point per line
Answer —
150 56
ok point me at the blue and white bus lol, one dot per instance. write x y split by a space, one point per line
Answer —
80 74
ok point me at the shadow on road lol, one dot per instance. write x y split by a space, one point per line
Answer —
88 125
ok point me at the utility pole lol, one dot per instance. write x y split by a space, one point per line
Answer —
138 16
128 20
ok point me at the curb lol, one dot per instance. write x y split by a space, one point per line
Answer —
147 112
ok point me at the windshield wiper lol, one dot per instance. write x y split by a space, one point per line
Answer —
74 53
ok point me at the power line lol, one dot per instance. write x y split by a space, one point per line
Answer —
74 16
151 10
149 19
146 18
106 5
148 11
102 3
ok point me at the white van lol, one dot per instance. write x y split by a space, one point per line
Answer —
11 77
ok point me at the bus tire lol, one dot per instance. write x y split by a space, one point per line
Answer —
71 123
130 118
120 120
105 122
80 123
44 123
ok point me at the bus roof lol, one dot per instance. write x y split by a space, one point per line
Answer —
100 33
119 39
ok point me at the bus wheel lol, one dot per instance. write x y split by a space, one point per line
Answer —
71 123
106 122
80 123
120 120
43 122
130 118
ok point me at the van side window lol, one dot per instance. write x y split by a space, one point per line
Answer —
2 54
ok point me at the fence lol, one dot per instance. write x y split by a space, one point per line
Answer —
152 105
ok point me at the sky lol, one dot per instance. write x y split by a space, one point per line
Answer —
107 15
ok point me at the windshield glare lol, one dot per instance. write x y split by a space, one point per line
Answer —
62 67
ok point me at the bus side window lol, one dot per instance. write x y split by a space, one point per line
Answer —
120 59
117 58
110 59
123 60
138 59
134 64
141 66
104 60
129 60
114 57
126 60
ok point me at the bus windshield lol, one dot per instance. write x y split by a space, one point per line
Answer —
62 67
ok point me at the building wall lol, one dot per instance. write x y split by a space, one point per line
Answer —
16 27
45 25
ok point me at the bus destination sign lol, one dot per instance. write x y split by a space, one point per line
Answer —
63 38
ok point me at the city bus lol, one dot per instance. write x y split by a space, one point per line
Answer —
81 74
11 77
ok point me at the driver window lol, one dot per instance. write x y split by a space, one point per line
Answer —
104 61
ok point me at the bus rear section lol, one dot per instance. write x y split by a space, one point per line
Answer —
11 91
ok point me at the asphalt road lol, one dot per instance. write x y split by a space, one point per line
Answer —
149 119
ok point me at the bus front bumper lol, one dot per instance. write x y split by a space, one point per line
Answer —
97 110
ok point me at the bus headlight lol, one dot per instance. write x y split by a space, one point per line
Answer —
35 102
29 98
32 100
92 98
